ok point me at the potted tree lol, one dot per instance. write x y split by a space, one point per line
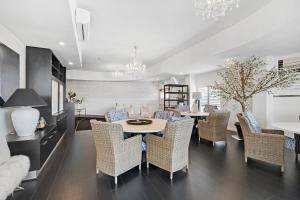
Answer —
244 78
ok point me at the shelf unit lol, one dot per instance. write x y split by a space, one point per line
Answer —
175 94
42 68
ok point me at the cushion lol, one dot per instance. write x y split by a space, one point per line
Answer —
145 110
175 118
117 115
5 121
12 172
183 108
130 110
254 127
163 115
4 150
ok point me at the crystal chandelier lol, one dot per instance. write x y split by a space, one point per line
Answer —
117 73
214 8
134 66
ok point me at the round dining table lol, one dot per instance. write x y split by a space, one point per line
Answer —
156 126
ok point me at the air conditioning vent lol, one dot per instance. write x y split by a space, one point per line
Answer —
83 18
294 64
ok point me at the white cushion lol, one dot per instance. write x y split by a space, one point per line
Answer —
130 110
5 121
12 172
145 110
4 150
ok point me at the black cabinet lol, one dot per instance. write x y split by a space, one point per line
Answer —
175 94
42 67
37 147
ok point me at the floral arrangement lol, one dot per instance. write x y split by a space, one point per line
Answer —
72 97
242 79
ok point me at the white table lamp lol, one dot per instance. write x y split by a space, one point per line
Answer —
25 118
197 96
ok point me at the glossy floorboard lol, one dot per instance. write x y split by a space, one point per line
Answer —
214 174
217 173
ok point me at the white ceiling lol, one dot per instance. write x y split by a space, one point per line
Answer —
159 28
42 24
171 39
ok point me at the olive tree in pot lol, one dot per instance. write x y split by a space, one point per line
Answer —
244 78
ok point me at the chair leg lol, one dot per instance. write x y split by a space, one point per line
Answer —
246 159
187 168
213 144
116 180
171 175
147 165
296 157
97 171
140 167
282 168
199 139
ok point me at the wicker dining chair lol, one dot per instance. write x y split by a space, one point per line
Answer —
170 152
214 129
114 154
267 146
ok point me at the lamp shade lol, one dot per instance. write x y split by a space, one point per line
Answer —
25 97
196 95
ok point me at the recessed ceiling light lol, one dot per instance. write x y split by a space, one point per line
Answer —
61 43
70 63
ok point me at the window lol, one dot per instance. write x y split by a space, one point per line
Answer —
209 97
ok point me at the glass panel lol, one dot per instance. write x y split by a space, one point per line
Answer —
54 97
61 97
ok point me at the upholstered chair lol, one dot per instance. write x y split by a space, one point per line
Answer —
262 144
183 108
13 169
146 112
163 115
114 154
210 108
116 115
170 152
176 113
215 128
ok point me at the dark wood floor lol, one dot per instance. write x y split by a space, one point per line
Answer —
214 174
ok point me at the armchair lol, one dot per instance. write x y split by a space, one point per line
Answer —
13 169
267 146
114 154
170 152
215 128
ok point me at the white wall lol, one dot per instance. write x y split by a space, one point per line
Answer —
11 41
100 96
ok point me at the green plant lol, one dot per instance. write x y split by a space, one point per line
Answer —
242 79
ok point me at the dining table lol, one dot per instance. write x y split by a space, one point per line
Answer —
197 116
157 125
291 130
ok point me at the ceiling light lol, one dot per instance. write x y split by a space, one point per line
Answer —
61 43
214 8
70 63
134 66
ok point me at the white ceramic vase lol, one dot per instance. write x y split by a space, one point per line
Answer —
25 120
